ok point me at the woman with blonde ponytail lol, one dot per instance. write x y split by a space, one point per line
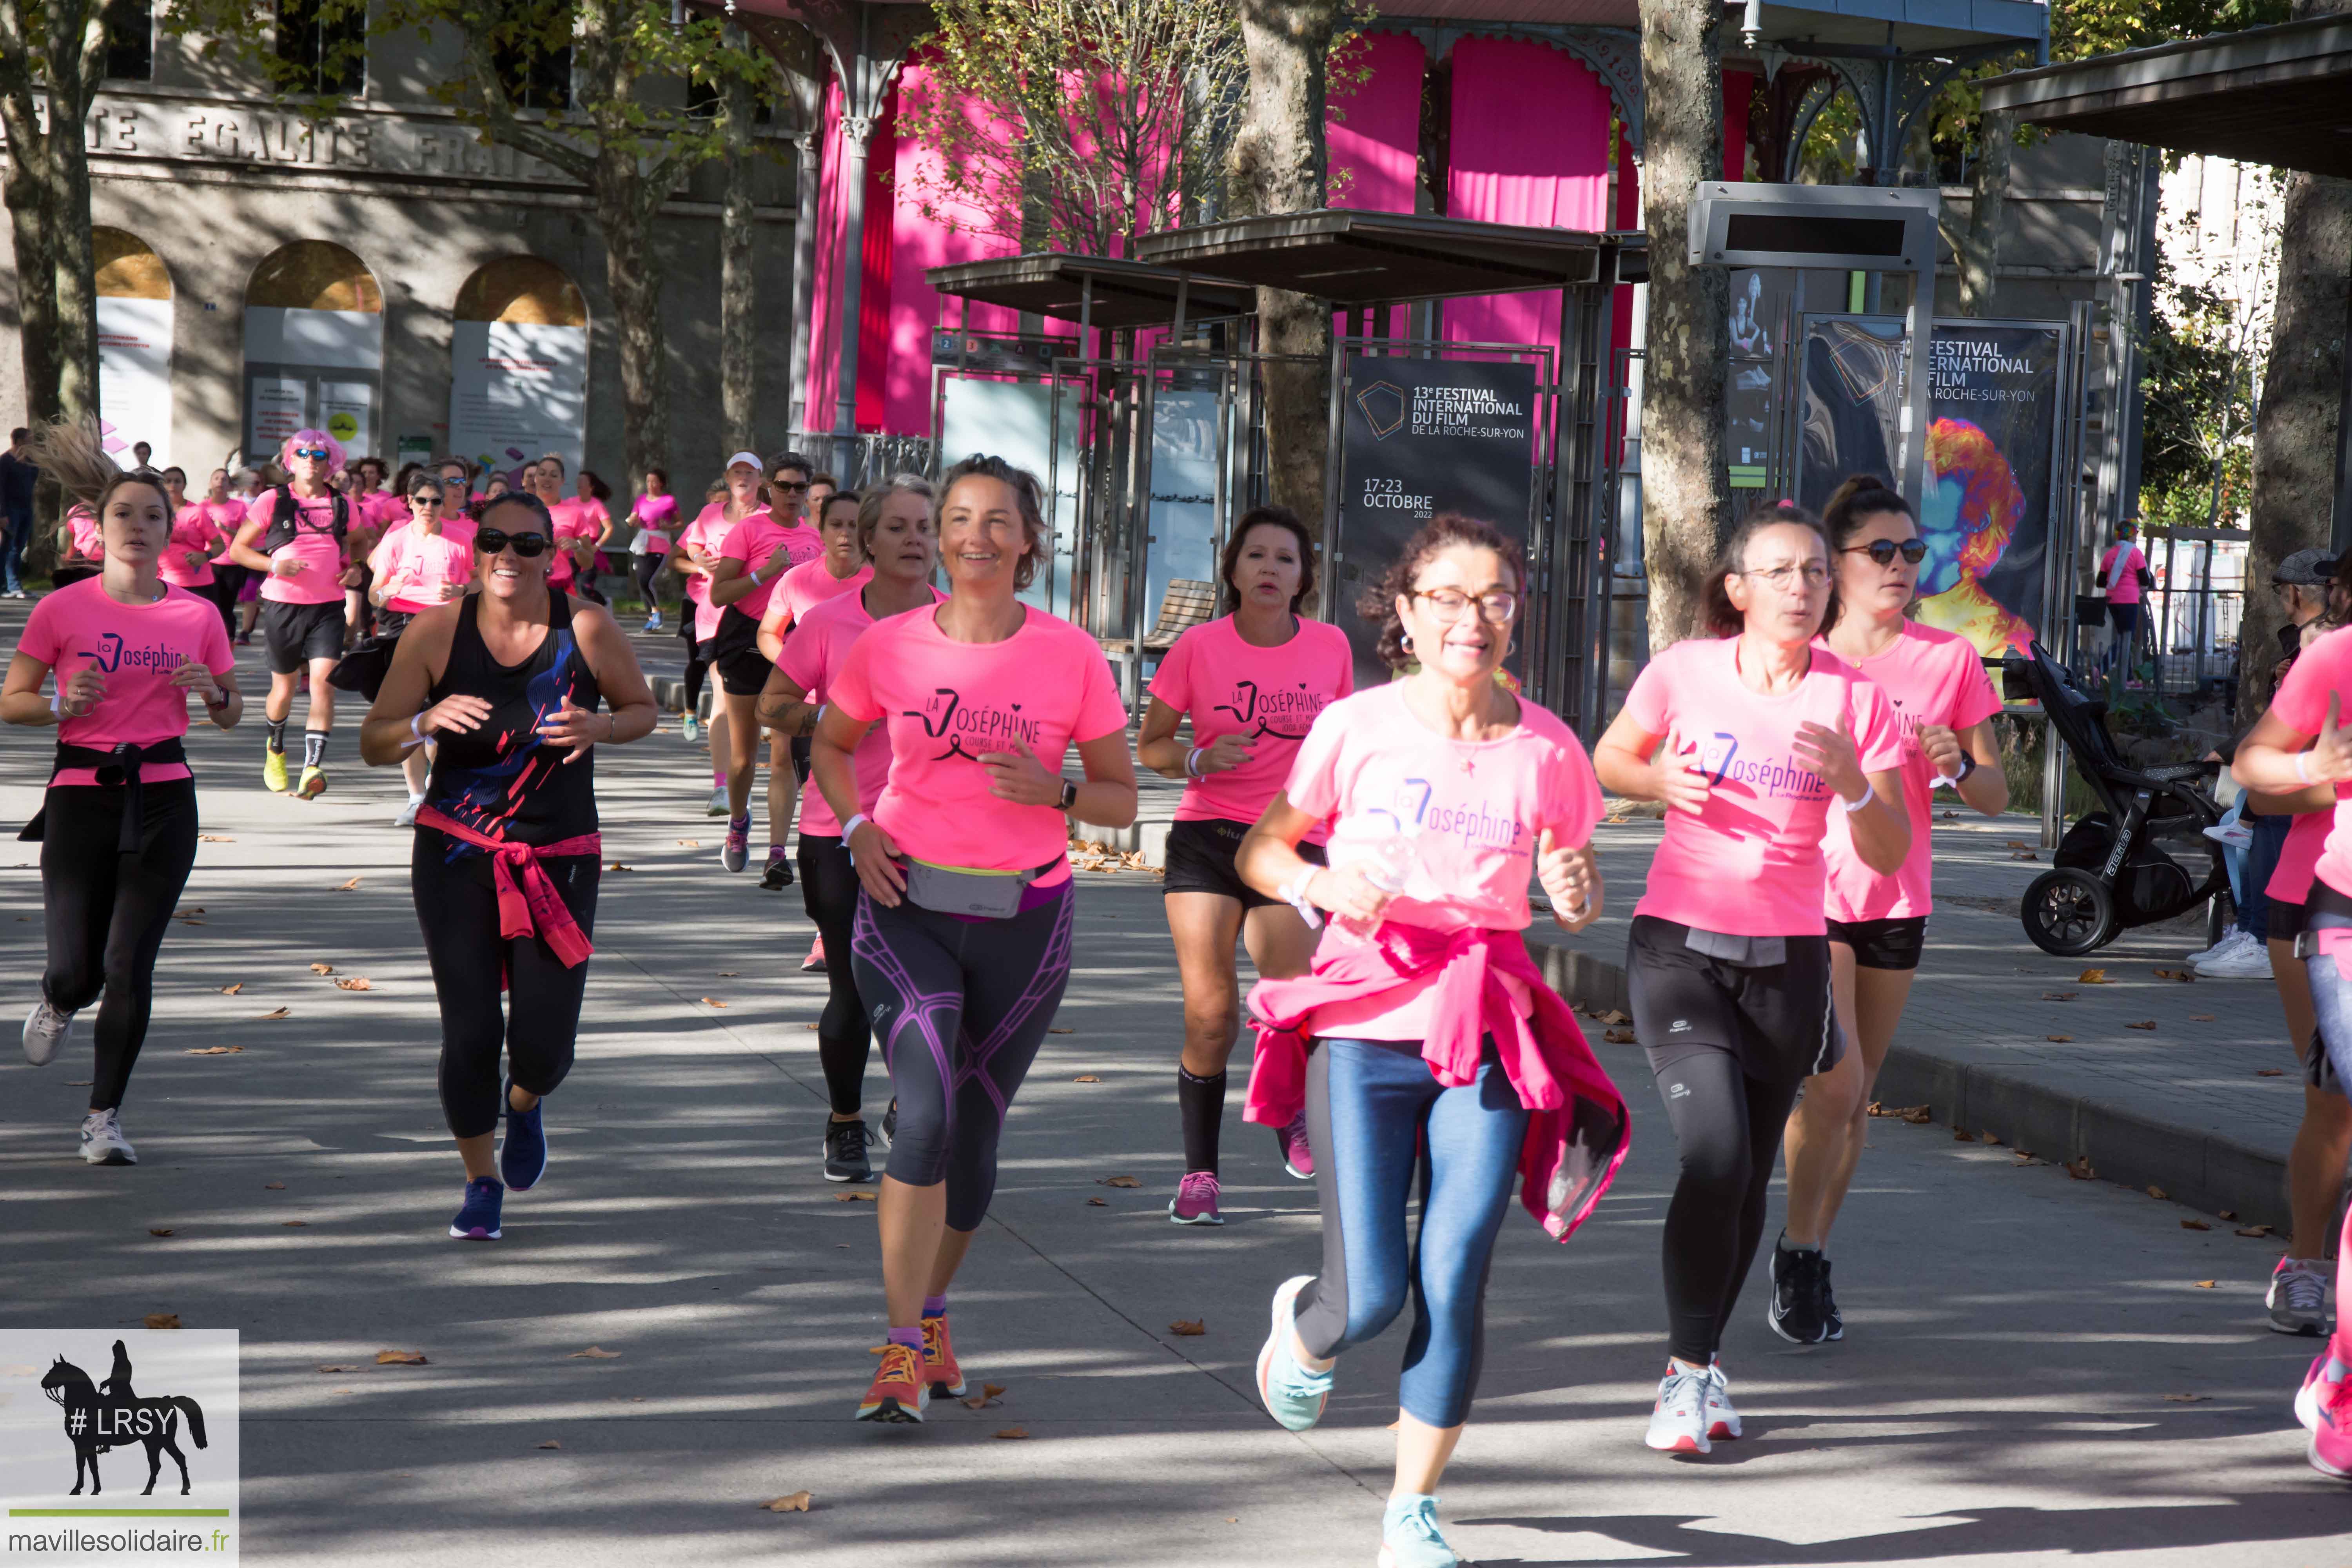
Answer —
118 826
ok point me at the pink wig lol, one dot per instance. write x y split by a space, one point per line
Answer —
310 438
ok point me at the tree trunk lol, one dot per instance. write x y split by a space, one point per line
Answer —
739 294
2303 388
1686 489
1979 252
632 278
1279 165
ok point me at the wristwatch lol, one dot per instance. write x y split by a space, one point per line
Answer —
1967 766
1070 796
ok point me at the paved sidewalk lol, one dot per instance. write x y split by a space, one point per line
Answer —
2007 1393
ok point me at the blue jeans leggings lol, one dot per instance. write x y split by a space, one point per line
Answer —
1378 1118
2331 1000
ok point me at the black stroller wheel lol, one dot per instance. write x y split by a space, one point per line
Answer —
2068 912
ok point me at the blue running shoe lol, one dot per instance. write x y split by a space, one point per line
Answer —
1293 1395
1409 1537
477 1218
522 1155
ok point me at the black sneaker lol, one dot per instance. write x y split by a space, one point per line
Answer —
1799 1281
844 1151
777 876
1832 1325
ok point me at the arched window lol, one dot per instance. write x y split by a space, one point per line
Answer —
134 343
518 365
313 348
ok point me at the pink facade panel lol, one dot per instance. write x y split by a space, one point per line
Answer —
1374 128
825 313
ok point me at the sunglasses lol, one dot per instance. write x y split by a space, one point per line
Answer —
319 452
1883 551
491 541
422 499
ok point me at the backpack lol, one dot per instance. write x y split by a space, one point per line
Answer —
286 514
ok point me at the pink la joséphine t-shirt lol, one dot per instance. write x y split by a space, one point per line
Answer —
314 545
2123 564
1753 863
814 653
412 567
1268 696
658 517
810 583
1930 677
2321 671
1460 819
946 702
139 647
708 533
194 533
574 520
754 540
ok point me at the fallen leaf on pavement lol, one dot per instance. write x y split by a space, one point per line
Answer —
1188 1327
191 910
400 1358
1097 1204
277 1013
339 1369
617 866
348 886
2025 1159
593 1352
1916 1115
2059 1039
2157 1192
2200 1017
2059 995
232 990
853 1198
2194 1225
214 839
809 1026
2080 1169
1085 1077
1962 1135
1618 1036
690 844
354 982
990 1393
1014 1432
712 1002
1991 1138
2228 1213
2143 1024
2256 1231
2270 1072
2027 855
323 969
187 920
2019 844
2188 1398
796 1503
163 1320
213 1050
1116 1182
2183 975
551 1442
273 1186
1615 1016
2204 1284
294 1224
1051 1031
2092 977
731 974
159 1230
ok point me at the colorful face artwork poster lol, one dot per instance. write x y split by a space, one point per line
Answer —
1992 412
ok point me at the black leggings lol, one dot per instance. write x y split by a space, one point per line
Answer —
457 908
843 1038
648 567
697 666
1727 1129
106 911
961 1007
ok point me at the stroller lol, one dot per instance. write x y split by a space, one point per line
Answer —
2131 863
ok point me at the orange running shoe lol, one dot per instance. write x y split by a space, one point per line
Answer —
940 1369
898 1393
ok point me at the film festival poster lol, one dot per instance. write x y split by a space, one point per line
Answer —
1993 405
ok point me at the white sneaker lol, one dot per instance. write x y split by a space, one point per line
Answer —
407 817
1678 1425
718 806
2229 939
102 1142
44 1030
2232 835
1722 1420
2297 1299
2249 960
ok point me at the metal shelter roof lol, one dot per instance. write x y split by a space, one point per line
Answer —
1374 259
1055 283
2280 95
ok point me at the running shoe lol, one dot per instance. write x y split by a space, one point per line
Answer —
102 1142
736 853
690 726
245 639
2306 1398
1722 1420
1297 1157
1195 1201
778 873
1833 1320
899 1392
2298 1297
816 959
653 623
1794 1306
273 770
2250 960
844 1151
522 1153
2230 939
717 806
407 817
1293 1395
313 784
46 1029
1409 1537
940 1370
2331 1439
478 1216
1678 1425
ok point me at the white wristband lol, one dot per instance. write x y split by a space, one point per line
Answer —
1294 893
755 578
851 826
1869 791
416 728
2303 766
1193 762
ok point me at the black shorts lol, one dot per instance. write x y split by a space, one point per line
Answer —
296 634
1884 944
2286 922
800 751
1778 1020
1200 860
734 653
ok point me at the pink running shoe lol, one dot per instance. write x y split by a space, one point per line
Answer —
816 959
2331 1439
2306 1398
1297 1158
1195 1201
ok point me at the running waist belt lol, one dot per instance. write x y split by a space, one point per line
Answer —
2325 911
530 907
116 765
958 890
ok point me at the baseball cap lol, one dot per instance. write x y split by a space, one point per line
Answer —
750 457
2305 568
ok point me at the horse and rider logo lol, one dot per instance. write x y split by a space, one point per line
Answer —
101 1417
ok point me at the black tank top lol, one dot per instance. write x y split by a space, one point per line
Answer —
500 779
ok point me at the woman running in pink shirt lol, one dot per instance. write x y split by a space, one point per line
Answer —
961 940
655 513
757 554
840 569
1251 681
696 557
298 536
1424 1049
1752 735
116 826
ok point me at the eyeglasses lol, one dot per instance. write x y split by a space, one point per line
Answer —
1785 577
1883 551
491 541
319 452
1453 603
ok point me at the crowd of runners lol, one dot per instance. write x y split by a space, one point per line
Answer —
940 738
